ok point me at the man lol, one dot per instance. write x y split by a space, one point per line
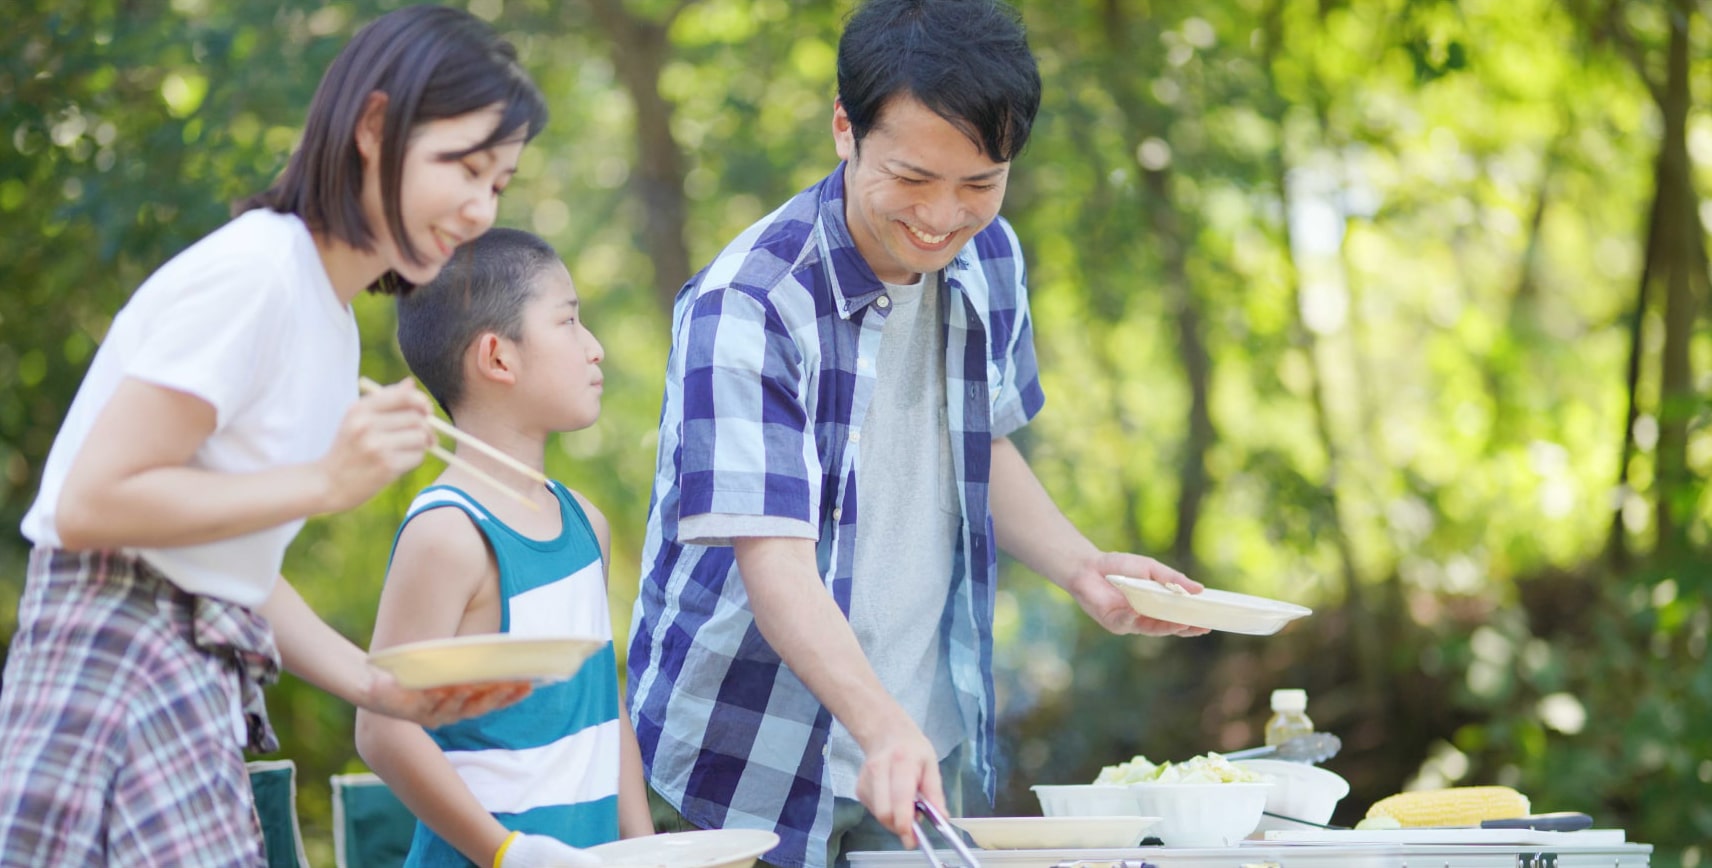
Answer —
813 634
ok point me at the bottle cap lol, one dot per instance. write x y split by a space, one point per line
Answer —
1290 699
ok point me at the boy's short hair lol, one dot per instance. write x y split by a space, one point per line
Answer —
968 61
484 288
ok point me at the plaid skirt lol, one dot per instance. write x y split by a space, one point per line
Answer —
116 719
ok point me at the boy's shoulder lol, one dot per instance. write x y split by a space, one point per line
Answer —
441 543
444 525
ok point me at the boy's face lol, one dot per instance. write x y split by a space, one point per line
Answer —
560 378
916 191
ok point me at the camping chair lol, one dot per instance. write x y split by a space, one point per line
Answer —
371 827
274 784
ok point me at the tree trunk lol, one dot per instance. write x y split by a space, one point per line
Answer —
1681 242
1365 621
1172 240
639 53
1617 545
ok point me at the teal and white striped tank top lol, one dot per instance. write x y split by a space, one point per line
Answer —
549 764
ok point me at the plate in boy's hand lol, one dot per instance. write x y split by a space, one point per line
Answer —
702 848
485 657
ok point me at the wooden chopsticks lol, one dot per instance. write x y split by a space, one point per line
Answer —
366 385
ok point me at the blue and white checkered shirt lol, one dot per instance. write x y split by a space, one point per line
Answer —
767 386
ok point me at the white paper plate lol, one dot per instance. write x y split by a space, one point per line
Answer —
485 657
1211 608
703 848
1051 833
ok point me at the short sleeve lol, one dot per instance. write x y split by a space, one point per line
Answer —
748 437
211 334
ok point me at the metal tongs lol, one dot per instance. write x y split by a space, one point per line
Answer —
946 831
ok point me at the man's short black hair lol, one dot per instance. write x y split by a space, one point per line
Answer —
968 61
485 287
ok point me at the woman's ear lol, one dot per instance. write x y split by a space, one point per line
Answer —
495 358
371 127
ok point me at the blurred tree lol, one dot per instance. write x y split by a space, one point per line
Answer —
1390 307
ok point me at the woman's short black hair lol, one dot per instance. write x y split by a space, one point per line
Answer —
484 288
968 61
432 63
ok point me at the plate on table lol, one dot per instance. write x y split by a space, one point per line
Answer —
702 848
485 657
1211 608
1055 833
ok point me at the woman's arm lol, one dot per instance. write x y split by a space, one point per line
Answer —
318 654
130 484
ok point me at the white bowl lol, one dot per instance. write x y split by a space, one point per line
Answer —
1299 790
1055 833
1202 815
1086 800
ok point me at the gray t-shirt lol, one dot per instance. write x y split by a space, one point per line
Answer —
906 534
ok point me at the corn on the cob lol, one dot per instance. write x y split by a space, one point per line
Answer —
1455 806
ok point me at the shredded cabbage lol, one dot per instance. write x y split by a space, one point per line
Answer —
1209 768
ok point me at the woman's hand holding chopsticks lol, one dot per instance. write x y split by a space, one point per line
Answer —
383 435
370 387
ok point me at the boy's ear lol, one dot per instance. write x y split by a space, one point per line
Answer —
495 358
371 126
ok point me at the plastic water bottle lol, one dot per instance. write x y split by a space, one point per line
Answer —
1289 716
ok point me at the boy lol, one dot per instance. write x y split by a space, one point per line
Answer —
498 341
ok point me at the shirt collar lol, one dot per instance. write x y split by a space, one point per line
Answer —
854 284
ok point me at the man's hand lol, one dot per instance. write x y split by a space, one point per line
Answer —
900 765
1107 605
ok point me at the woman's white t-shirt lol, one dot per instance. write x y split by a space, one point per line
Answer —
246 320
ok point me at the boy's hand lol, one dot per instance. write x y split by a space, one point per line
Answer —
540 851
439 706
383 435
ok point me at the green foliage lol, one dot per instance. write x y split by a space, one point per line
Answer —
1409 233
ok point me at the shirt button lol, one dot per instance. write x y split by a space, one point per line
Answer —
883 302
837 514
855 437
862 364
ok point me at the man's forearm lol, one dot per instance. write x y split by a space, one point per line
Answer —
1029 525
803 623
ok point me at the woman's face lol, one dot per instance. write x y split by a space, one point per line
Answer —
446 197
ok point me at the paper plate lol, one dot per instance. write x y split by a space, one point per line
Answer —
1053 833
485 657
1211 608
704 848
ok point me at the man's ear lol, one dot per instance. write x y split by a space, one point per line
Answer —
495 358
843 135
371 127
